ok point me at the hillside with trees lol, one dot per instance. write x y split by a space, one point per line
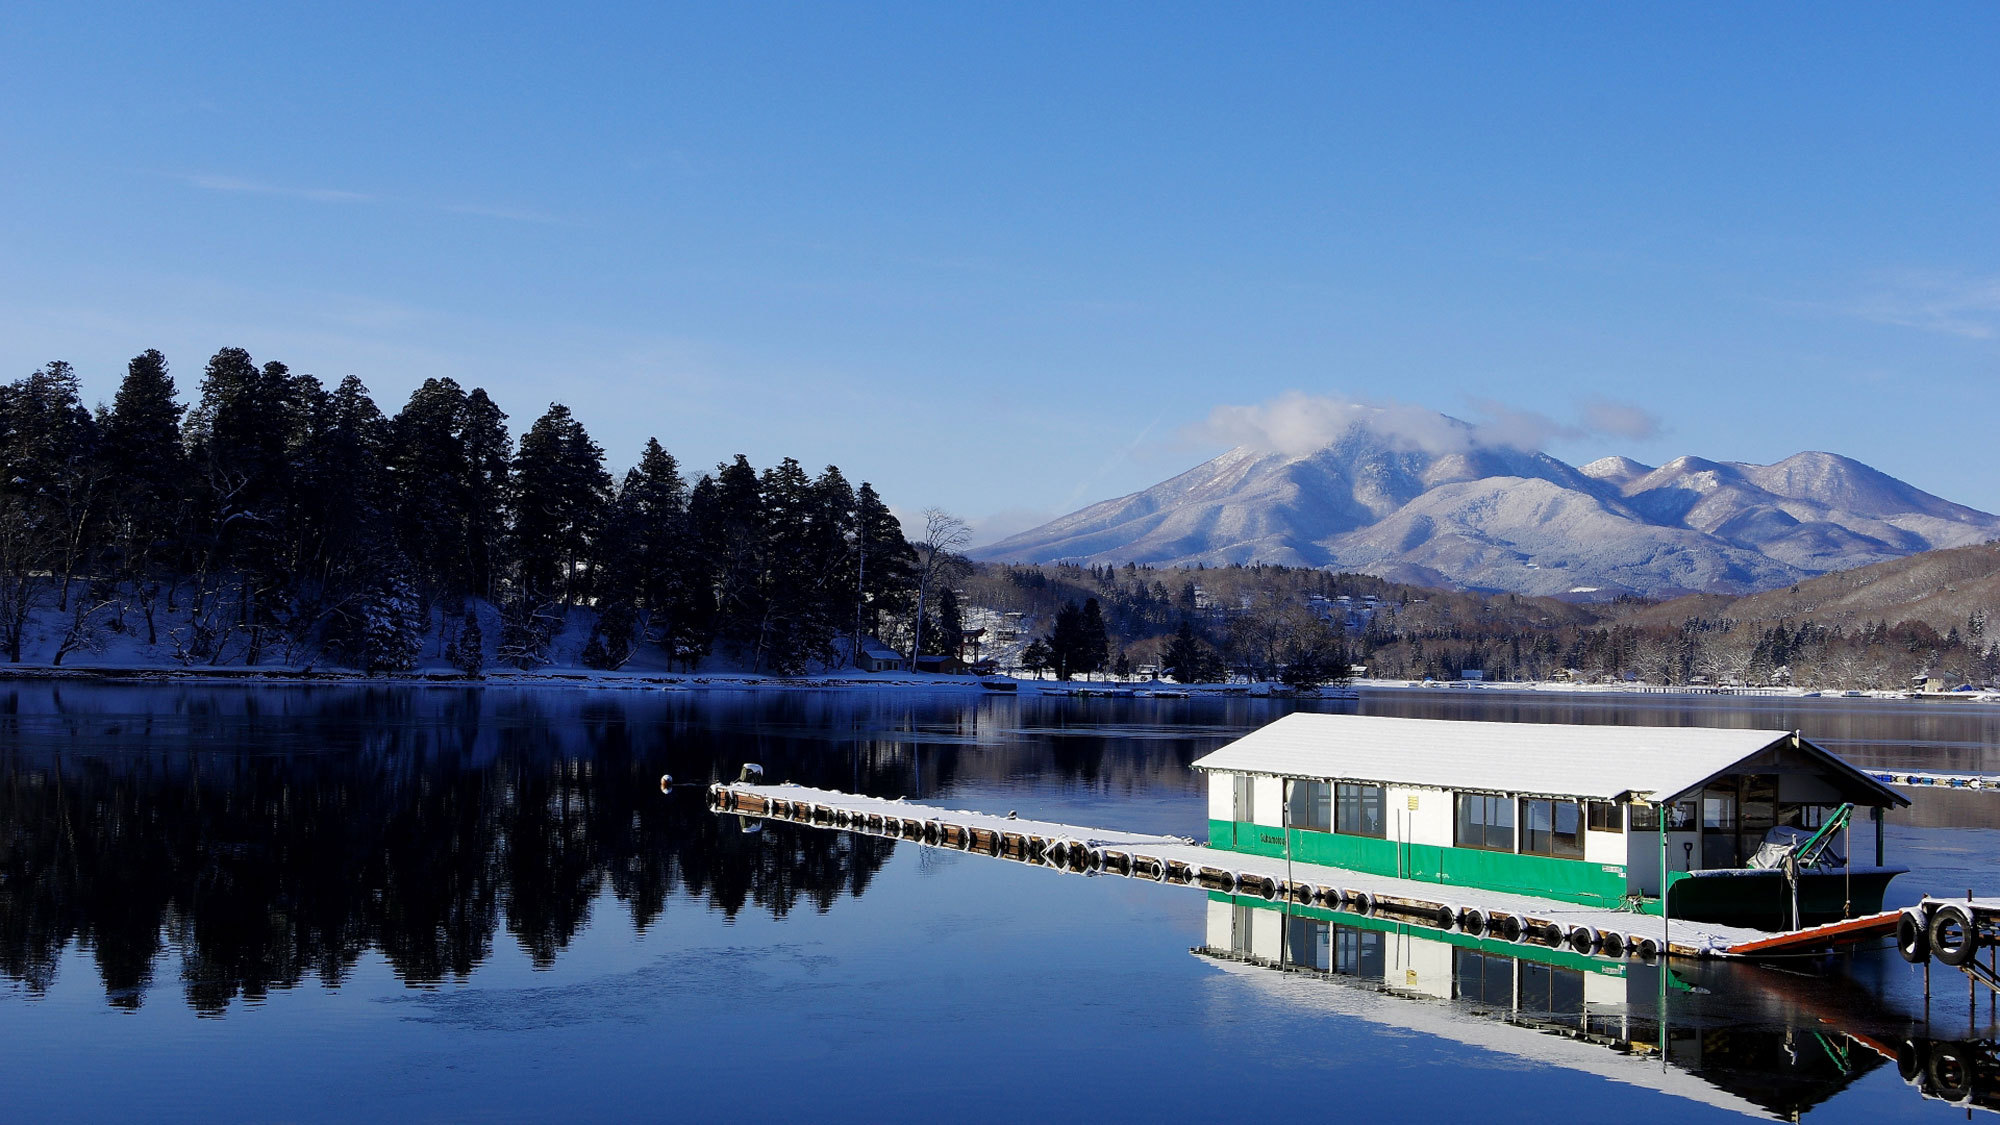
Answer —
1877 627
277 521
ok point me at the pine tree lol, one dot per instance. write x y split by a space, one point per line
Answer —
885 562
468 649
1189 660
50 479
433 493
489 458
147 474
561 493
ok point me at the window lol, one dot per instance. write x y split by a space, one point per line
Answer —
1645 818
1309 805
1547 990
1604 816
1359 953
1309 944
1718 809
1358 811
1485 821
1246 804
1483 978
1551 828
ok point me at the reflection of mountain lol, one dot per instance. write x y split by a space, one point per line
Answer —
1740 1037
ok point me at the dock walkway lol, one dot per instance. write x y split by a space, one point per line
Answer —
1180 861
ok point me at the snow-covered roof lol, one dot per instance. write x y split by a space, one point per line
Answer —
1654 763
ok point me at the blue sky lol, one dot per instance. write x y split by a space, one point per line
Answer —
1007 259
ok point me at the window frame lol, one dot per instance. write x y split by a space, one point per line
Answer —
1360 791
1603 816
1528 842
1314 792
1489 802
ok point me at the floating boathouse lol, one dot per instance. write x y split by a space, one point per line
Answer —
1597 815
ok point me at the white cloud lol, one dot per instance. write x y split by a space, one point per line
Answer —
209 182
1954 304
1620 419
1296 423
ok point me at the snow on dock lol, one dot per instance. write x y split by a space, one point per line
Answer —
1180 861
1908 779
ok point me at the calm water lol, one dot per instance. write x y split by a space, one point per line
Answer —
323 903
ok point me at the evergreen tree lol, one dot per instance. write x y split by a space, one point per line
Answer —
726 514
489 458
1093 641
1066 641
885 562
147 474
1036 658
468 650
1189 660
946 632
561 493
433 491
50 481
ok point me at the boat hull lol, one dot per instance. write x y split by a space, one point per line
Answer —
1761 899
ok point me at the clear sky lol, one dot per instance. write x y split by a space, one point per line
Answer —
1007 259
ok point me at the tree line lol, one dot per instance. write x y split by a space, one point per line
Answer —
277 519
1304 626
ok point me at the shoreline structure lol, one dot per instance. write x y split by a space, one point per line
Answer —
846 679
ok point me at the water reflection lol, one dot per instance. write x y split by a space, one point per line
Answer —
1744 1037
261 837
229 841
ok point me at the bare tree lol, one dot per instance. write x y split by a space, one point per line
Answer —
937 559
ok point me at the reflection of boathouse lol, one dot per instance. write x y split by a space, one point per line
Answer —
1585 814
1735 1039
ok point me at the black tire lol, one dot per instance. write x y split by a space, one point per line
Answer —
1911 940
1472 921
1910 1060
1949 1070
1953 938
1508 928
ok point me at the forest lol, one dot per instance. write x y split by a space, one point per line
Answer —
1261 622
279 521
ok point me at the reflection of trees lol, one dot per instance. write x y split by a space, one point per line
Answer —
416 837
262 837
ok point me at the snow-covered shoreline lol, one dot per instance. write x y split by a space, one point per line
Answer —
853 679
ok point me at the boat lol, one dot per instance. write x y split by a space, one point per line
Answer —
1740 827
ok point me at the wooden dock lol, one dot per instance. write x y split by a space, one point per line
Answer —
1179 861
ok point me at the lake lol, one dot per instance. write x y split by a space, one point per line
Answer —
322 903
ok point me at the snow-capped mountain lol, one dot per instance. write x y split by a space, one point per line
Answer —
1451 510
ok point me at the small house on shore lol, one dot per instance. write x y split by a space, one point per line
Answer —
875 656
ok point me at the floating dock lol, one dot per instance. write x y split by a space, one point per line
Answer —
1921 779
1180 861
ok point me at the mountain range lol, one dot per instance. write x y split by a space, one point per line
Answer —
1444 508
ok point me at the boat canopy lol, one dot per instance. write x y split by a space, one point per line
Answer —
1655 764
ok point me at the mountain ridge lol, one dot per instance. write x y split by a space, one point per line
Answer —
1449 509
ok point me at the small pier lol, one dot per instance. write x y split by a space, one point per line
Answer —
1179 861
1931 779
